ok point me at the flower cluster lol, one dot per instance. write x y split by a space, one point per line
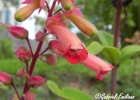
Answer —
66 44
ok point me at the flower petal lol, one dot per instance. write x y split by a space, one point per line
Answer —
27 1
74 56
98 65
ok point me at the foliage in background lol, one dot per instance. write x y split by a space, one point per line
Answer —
67 93
6 49
101 13
9 3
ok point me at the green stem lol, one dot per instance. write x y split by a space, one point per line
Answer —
116 39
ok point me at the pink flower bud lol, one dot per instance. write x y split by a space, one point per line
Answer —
29 96
23 54
40 36
49 59
5 78
17 32
35 81
22 73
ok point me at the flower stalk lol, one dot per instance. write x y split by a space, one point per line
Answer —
36 55
16 90
28 42
116 40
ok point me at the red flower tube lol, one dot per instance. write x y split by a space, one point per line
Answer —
98 65
75 51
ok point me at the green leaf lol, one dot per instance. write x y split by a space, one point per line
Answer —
74 94
112 54
129 51
126 68
3 87
95 48
67 93
105 38
55 89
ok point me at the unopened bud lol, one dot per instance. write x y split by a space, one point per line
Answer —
22 73
17 31
40 36
5 78
35 81
25 12
67 4
84 26
29 96
49 59
23 54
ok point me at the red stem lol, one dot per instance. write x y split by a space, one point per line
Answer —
47 5
35 56
16 90
26 87
117 24
27 67
29 46
52 8
5 25
44 51
116 39
58 11
50 13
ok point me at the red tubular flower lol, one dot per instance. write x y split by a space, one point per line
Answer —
23 54
17 32
29 96
5 78
55 20
74 48
98 65
35 81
